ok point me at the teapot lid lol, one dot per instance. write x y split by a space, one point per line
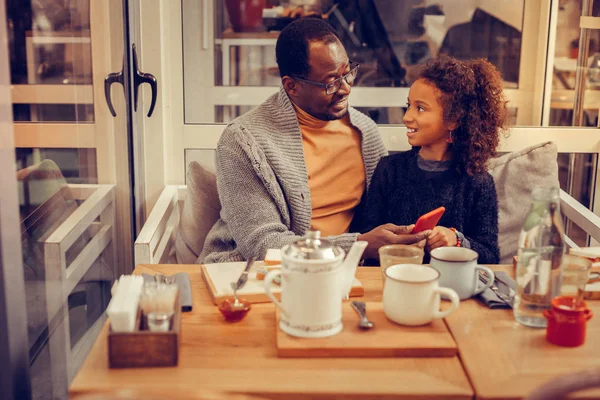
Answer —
312 247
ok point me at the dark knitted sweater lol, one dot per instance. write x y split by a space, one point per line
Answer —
401 192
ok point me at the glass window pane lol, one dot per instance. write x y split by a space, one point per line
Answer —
53 113
206 158
49 41
565 67
61 322
390 39
258 69
76 165
576 177
51 72
576 170
50 44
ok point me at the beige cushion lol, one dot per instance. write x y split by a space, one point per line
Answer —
515 175
200 212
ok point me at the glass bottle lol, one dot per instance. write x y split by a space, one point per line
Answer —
541 249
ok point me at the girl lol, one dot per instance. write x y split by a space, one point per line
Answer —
455 113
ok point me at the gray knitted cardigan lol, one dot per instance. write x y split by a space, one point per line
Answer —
263 183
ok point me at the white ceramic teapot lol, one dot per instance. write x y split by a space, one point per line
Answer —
315 279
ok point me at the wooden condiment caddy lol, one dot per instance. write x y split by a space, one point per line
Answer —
143 348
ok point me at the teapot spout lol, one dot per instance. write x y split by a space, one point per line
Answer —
350 265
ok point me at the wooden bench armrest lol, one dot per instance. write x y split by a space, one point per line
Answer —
157 236
99 203
580 216
98 198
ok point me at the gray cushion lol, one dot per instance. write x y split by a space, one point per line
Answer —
515 175
200 212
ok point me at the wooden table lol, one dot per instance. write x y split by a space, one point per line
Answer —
240 358
505 360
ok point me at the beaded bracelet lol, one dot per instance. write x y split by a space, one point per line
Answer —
458 241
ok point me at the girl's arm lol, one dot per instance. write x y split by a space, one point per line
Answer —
482 231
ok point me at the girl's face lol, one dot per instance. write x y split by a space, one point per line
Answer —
424 118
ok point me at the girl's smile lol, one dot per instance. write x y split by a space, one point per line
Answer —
411 133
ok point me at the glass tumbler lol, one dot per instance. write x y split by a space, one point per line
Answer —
157 302
394 254
575 274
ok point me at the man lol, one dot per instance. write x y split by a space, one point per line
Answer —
301 160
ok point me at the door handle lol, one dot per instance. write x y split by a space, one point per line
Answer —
140 77
113 77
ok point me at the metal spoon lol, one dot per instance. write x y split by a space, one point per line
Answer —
236 302
361 308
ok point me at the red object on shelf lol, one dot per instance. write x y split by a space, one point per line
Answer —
245 15
567 324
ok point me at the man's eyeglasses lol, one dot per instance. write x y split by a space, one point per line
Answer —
334 86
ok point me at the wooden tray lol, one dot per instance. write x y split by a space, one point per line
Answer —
218 278
386 339
143 348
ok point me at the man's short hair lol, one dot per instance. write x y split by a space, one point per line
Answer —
293 42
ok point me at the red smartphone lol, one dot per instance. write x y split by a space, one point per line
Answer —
429 220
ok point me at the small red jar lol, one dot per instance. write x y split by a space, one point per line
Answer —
567 325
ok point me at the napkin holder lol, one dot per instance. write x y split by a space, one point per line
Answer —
144 348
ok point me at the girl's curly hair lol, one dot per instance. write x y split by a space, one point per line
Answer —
471 96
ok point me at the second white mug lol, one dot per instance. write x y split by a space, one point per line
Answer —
459 270
411 295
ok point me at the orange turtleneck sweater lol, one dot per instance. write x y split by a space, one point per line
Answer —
336 171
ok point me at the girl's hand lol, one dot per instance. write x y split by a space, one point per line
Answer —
391 234
440 236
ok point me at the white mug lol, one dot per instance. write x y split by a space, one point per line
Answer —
459 270
411 295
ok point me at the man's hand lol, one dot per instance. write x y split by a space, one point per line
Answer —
391 234
440 236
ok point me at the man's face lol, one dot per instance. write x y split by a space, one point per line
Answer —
328 62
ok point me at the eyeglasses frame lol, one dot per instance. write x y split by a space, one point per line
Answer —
353 69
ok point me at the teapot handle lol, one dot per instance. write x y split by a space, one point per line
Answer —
268 284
